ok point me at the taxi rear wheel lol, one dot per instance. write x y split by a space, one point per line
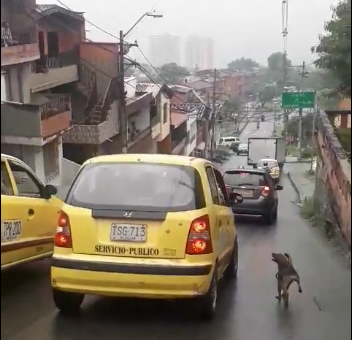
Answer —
66 302
207 304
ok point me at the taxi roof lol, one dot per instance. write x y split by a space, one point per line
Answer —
149 158
4 155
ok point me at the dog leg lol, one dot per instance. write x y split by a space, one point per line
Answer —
299 286
286 297
279 290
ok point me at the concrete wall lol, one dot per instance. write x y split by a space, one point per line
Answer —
54 77
18 82
192 135
69 171
34 157
333 185
28 118
164 117
4 95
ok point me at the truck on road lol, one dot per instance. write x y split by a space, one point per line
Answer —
259 148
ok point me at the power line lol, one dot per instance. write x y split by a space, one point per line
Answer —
90 22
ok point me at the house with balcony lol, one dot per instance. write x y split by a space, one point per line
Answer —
32 123
141 118
197 117
160 118
60 32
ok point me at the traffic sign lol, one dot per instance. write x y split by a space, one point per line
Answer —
298 100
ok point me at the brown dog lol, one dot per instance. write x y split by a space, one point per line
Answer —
286 275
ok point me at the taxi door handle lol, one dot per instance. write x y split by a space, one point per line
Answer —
30 212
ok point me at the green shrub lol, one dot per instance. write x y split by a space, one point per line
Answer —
308 208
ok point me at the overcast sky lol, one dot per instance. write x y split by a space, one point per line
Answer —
240 28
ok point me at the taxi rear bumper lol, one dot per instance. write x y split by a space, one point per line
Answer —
130 280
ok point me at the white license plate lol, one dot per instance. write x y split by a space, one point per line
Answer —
128 232
11 230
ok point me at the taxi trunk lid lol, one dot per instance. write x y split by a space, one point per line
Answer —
139 234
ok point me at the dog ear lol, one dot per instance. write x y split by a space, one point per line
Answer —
289 258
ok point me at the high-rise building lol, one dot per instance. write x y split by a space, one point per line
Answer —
164 49
199 53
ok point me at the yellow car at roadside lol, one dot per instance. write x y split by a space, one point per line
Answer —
145 226
29 212
273 167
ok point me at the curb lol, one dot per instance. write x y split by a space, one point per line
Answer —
294 187
303 161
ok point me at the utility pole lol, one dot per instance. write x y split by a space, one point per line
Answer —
285 58
213 116
303 75
207 127
122 100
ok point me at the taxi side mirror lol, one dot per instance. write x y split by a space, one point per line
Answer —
49 190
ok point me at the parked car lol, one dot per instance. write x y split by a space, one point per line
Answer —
29 212
145 226
228 141
258 190
242 149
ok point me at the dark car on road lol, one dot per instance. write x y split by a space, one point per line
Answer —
259 192
262 118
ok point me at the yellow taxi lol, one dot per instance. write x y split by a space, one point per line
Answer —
273 166
145 226
29 212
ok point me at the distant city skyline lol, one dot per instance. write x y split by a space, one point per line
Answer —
194 52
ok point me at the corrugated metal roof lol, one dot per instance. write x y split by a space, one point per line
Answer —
48 9
149 87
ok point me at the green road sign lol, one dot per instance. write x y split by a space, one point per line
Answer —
298 100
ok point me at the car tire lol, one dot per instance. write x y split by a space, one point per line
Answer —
207 304
270 218
66 302
232 269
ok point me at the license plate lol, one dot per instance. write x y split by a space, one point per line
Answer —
245 193
128 232
11 230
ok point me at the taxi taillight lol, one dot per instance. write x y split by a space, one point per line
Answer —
199 238
63 232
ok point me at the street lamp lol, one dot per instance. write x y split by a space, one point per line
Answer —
147 14
123 49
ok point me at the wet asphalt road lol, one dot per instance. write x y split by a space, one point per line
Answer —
247 309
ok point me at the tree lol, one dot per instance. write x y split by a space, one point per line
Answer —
268 94
276 61
243 64
173 73
334 49
233 104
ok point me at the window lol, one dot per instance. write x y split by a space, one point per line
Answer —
27 184
6 186
138 186
238 178
213 186
165 113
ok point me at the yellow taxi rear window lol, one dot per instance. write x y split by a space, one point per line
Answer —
137 186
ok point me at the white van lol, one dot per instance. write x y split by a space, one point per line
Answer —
228 141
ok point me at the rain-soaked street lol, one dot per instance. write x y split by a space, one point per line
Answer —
247 309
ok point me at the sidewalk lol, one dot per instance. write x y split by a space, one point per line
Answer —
302 182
